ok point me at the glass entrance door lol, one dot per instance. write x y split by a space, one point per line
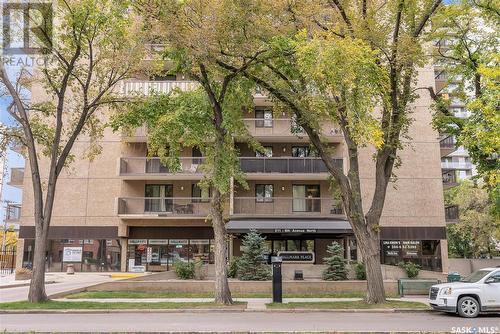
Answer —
160 198
306 198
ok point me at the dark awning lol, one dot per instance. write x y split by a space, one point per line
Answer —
289 226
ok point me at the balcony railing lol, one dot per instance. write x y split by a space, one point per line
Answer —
192 165
16 177
285 165
164 206
138 87
456 165
138 134
447 142
449 178
144 166
283 127
451 213
13 212
286 206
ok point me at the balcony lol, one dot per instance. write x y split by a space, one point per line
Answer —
162 207
141 168
269 167
447 145
286 129
286 207
16 177
449 179
13 213
456 165
451 214
145 88
138 135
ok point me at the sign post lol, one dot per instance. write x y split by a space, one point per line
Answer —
277 280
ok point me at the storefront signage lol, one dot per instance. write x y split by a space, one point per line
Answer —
158 241
199 242
297 257
137 241
295 230
178 242
72 254
401 247
137 269
149 255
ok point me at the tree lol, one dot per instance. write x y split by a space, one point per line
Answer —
478 228
301 59
194 32
251 265
471 59
335 270
93 50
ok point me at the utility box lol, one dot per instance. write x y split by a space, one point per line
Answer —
454 277
298 275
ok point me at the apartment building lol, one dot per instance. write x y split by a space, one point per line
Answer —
125 212
456 164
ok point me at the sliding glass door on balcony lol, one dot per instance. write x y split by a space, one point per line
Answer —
160 198
263 118
306 198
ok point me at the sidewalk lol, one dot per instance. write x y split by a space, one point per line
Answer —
55 283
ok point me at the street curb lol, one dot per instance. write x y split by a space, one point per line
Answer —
214 310
17 285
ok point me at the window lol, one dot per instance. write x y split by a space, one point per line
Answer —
306 198
264 192
268 152
303 152
196 153
264 118
495 277
159 198
200 195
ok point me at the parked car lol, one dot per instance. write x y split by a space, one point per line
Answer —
480 292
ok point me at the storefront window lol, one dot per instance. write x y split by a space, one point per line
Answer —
425 253
178 250
88 255
199 250
293 245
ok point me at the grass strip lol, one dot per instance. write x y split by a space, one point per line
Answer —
390 304
174 294
85 305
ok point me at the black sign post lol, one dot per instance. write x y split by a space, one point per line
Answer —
277 280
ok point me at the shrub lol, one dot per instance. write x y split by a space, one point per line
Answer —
250 266
232 271
411 268
200 269
360 270
336 270
184 270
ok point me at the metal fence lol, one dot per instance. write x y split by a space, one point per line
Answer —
7 261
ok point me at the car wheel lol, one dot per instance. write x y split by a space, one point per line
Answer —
468 307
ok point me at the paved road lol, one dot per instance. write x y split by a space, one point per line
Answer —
243 321
62 283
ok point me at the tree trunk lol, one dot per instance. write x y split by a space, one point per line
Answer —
375 293
222 292
37 286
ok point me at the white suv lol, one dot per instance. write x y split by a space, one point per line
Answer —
480 292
